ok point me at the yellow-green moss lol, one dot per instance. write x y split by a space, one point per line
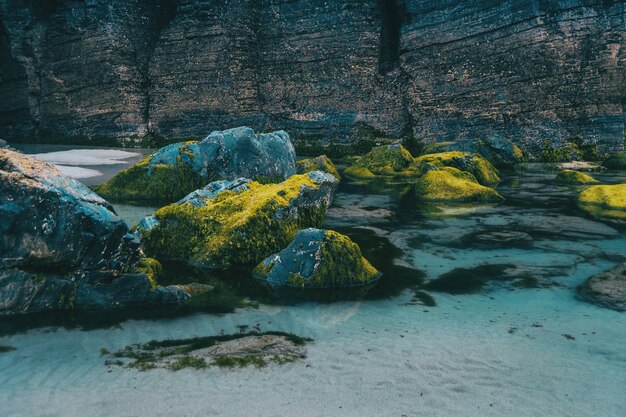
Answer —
161 181
478 166
151 268
571 177
452 185
604 200
342 264
232 228
320 163
388 160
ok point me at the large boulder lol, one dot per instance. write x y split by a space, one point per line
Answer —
473 163
449 184
604 200
607 289
501 152
384 161
317 259
52 221
237 222
177 169
62 246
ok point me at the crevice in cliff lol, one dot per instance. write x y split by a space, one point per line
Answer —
389 47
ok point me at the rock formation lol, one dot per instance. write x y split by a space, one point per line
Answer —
332 72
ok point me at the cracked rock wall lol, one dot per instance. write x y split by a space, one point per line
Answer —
325 70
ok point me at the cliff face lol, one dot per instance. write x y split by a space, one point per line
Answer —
325 70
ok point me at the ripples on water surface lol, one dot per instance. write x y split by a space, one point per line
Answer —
476 315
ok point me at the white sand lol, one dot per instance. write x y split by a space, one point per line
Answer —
369 359
87 157
77 172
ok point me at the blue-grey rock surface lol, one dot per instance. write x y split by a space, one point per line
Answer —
63 247
328 71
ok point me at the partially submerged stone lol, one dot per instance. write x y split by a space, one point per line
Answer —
617 161
607 289
571 177
473 163
604 200
225 351
386 161
319 163
449 184
501 152
177 169
317 259
238 226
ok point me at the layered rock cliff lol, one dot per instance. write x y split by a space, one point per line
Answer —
328 71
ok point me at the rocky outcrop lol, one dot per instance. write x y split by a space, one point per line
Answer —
239 222
63 247
178 169
317 259
332 72
607 289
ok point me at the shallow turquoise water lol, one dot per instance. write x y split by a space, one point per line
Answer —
519 343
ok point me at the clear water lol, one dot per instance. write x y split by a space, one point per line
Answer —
514 342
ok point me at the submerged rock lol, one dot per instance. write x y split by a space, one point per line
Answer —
452 185
501 152
63 247
607 289
571 177
320 163
475 164
318 259
604 200
241 225
3 143
617 161
178 169
226 351
386 161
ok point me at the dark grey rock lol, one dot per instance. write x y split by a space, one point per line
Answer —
607 289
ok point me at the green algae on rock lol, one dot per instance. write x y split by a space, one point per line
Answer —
449 184
571 177
226 351
604 200
317 259
238 226
320 163
177 169
385 161
473 163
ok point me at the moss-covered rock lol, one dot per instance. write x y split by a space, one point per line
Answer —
604 200
177 169
386 161
617 161
473 163
449 184
317 259
320 163
499 151
238 226
151 268
571 177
